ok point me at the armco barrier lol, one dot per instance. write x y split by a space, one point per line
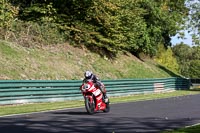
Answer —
195 83
30 91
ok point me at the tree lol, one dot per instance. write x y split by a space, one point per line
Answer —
194 20
8 14
194 69
166 58
188 59
137 26
183 54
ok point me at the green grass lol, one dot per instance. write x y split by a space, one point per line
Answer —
192 129
37 107
63 61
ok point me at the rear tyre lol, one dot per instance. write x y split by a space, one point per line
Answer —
90 106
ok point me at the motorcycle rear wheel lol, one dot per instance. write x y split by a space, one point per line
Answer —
89 106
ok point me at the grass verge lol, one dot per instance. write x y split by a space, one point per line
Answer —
192 129
65 62
37 107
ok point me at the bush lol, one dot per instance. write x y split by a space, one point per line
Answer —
7 14
31 34
194 69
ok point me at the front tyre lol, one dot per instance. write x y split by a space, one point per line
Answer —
90 106
107 109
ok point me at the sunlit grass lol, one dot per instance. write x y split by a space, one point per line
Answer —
192 129
141 97
18 62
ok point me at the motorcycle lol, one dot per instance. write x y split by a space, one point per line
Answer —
94 100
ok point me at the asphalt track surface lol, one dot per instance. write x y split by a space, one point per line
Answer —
145 116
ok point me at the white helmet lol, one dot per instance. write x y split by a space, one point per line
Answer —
88 74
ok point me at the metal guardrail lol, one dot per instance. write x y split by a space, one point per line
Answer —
30 91
195 81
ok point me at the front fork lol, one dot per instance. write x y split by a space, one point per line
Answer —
91 100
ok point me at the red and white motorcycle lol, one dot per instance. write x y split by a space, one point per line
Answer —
93 96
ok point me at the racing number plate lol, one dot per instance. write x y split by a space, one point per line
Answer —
97 92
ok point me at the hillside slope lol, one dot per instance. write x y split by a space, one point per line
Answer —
66 62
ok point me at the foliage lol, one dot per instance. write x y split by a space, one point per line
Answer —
8 14
162 18
40 12
194 20
188 59
114 25
106 27
30 34
167 59
183 54
194 69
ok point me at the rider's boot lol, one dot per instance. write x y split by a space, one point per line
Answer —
105 98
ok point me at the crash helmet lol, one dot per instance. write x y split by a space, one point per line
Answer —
88 74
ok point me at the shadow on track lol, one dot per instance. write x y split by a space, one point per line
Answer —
72 113
151 116
73 122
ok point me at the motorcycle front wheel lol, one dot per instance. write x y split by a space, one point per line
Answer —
107 109
90 106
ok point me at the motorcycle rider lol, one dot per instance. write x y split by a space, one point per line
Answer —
90 76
